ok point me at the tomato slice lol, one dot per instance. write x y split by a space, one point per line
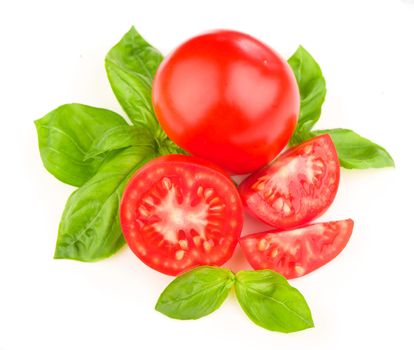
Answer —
296 188
299 251
178 212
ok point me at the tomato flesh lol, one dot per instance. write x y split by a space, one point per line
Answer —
299 251
297 187
229 98
178 212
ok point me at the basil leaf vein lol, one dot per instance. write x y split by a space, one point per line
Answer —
121 137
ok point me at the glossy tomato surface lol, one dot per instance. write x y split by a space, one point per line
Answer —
227 97
297 252
178 212
297 187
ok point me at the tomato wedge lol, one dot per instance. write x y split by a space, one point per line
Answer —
178 212
299 251
296 188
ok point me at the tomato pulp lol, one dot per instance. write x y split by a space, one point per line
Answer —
297 252
179 212
227 97
297 187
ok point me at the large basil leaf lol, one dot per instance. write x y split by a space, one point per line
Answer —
89 229
312 89
196 293
66 134
121 137
355 151
270 302
131 65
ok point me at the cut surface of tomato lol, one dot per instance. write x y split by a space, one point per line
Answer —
177 212
297 187
297 252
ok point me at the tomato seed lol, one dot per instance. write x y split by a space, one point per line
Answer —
279 203
307 149
207 246
258 186
179 254
274 253
286 209
217 207
208 193
200 190
197 240
215 200
143 211
167 183
149 201
183 244
318 163
299 270
263 244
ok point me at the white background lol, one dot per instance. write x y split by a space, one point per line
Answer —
53 53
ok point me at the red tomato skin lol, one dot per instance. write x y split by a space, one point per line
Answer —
134 240
264 212
306 261
227 97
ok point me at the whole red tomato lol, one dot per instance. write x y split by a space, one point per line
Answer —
227 97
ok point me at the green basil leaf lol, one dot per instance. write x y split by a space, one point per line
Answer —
270 302
89 229
166 146
196 293
66 134
312 88
121 137
131 65
357 152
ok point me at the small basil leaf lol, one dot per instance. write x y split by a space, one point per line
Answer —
166 146
131 65
312 88
89 229
270 302
120 137
196 293
357 152
66 134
